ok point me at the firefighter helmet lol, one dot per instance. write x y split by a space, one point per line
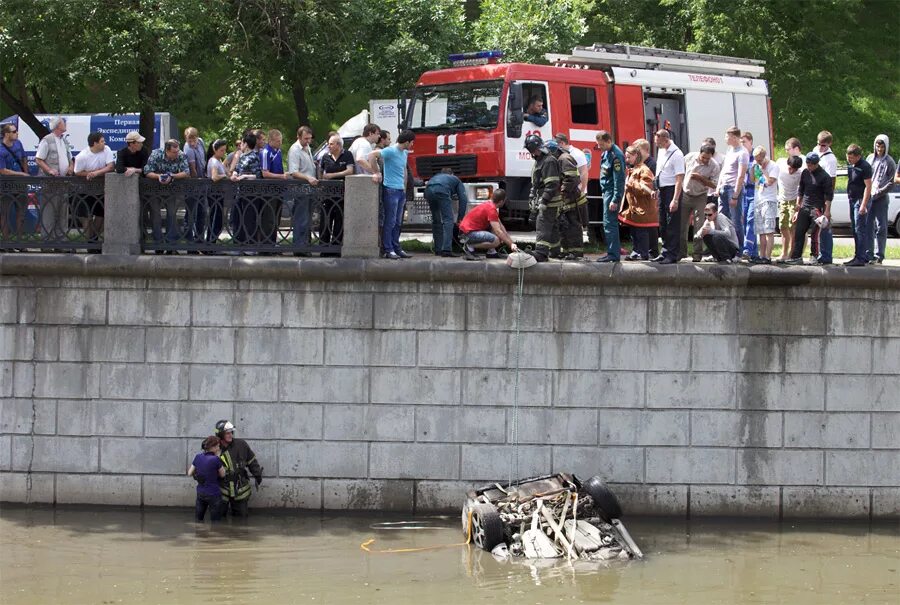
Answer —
222 427
552 146
533 143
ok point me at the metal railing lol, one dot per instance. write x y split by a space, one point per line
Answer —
266 216
51 213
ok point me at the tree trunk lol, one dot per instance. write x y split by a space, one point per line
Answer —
300 105
147 83
148 93
38 101
23 111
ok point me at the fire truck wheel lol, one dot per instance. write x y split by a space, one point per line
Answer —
605 502
487 527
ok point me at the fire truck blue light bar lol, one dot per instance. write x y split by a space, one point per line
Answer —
481 57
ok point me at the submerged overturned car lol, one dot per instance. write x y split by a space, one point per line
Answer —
547 517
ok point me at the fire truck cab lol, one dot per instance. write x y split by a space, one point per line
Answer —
471 117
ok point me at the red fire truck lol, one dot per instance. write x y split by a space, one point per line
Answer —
469 117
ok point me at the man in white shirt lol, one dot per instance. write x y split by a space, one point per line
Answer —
670 177
789 170
54 158
363 146
827 162
581 161
92 162
765 205
302 166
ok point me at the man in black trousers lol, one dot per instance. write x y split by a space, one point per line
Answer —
813 201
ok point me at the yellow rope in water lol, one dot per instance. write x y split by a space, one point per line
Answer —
365 545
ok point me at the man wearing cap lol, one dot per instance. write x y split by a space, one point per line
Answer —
132 159
815 193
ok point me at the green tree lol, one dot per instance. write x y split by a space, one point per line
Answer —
404 38
527 29
36 54
830 64
331 50
138 57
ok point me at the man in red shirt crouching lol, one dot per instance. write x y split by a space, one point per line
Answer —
482 229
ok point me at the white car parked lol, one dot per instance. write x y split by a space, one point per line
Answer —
840 211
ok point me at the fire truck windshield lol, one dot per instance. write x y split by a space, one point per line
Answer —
457 106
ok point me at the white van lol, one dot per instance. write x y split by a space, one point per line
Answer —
78 126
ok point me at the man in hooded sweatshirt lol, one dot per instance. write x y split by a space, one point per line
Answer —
883 169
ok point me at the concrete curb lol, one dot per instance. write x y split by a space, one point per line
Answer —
426 269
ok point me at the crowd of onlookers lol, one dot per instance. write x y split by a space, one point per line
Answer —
736 199
256 155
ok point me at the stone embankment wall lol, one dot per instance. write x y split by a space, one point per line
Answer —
384 385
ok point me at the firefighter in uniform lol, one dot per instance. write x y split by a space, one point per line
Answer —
240 463
612 186
570 228
545 193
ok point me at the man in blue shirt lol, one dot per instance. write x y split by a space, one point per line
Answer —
12 155
438 192
748 197
536 114
195 220
272 166
394 194
12 163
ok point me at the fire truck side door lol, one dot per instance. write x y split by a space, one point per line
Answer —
518 160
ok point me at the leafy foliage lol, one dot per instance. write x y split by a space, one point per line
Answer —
527 29
332 50
129 57
831 64
227 64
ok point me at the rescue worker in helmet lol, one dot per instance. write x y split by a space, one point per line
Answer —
570 230
240 463
545 192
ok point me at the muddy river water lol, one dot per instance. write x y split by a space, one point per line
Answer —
79 555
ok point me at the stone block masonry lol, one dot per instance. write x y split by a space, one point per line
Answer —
367 384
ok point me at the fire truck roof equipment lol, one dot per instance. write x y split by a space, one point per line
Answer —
641 57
